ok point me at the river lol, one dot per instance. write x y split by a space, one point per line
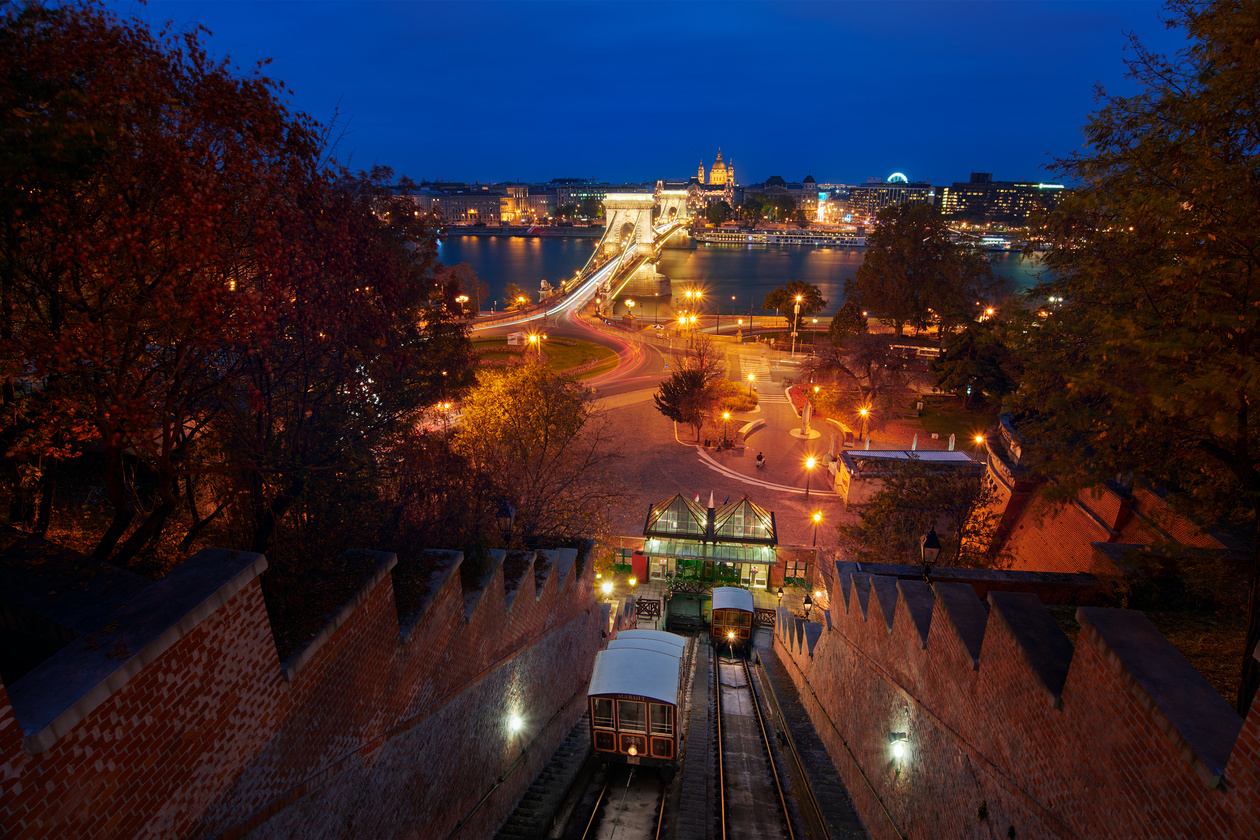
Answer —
740 276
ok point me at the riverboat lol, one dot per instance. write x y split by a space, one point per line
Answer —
781 237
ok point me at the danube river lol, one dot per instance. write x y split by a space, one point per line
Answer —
739 276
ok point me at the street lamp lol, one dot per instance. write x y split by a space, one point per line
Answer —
817 519
726 416
931 549
780 594
505 516
630 306
809 470
751 377
796 319
865 412
808 605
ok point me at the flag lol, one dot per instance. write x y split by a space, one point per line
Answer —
728 498
697 496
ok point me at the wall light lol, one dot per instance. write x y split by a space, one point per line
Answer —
515 723
899 743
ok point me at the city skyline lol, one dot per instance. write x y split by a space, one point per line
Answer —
529 92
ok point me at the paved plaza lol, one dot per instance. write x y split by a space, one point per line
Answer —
663 459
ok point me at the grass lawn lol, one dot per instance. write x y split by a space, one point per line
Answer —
560 357
946 416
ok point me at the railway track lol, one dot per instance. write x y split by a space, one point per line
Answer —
752 804
629 805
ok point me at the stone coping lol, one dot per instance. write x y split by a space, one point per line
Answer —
57 695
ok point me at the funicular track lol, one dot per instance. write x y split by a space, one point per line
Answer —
623 802
751 801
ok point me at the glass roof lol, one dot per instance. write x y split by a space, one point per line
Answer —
677 517
738 522
723 552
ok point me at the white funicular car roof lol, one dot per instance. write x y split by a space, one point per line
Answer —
647 644
647 673
655 635
732 598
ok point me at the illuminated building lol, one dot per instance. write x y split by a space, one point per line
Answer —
982 199
866 200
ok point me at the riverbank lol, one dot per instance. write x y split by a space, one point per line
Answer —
525 230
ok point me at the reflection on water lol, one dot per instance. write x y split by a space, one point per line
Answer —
739 276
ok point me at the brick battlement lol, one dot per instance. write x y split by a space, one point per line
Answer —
170 714
1007 725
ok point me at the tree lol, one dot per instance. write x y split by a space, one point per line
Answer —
912 271
684 398
566 211
850 321
975 366
754 209
516 297
784 299
549 450
591 208
143 255
183 284
916 495
717 212
1148 369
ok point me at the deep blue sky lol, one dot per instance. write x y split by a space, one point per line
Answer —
642 90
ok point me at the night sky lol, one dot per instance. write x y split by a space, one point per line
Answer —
634 91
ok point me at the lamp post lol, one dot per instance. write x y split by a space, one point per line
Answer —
809 470
808 605
505 516
630 307
865 412
931 549
751 377
726 416
817 519
796 319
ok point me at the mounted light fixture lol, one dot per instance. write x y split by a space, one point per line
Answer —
931 548
808 605
505 517
899 743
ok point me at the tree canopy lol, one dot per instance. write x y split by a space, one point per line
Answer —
548 450
913 275
187 286
918 495
784 299
718 212
1146 367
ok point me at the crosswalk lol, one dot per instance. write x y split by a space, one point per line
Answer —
767 391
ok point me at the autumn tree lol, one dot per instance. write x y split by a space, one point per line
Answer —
960 503
133 261
548 449
183 285
1148 368
913 275
684 397
516 297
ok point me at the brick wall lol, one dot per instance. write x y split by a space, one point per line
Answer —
187 725
1008 726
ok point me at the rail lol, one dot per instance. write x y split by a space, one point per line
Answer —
765 740
813 809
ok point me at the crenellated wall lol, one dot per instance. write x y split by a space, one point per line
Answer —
1009 730
175 718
